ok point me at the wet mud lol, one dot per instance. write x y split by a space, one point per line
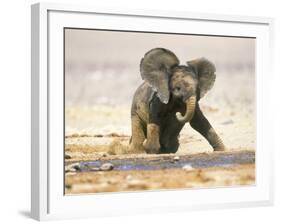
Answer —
202 160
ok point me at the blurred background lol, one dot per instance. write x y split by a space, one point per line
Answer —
102 73
100 63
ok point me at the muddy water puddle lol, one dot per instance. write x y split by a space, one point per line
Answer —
203 160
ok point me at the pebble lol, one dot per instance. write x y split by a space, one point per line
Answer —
129 177
227 122
73 167
176 158
187 167
137 183
68 186
92 168
70 173
66 156
76 166
106 167
69 169
104 154
95 169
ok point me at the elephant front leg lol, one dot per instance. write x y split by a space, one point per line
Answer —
200 123
138 136
151 144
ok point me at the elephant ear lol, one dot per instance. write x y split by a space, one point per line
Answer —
205 71
155 68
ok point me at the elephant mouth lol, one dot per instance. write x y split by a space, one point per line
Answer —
190 108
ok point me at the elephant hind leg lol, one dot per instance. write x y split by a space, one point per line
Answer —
200 123
138 136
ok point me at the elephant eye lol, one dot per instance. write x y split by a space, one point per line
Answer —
178 88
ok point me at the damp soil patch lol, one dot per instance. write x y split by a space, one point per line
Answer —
202 160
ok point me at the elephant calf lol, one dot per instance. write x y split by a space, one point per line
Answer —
168 99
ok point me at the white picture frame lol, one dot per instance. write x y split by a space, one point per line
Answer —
48 201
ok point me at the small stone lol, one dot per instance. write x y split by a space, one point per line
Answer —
227 122
66 156
70 170
104 154
106 167
68 186
176 158
70 173
187 167
73 167
95 169
76 166
135 183
129 177
90 168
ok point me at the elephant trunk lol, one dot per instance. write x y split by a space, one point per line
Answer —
190 107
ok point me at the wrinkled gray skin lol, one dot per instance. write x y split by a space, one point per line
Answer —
167 100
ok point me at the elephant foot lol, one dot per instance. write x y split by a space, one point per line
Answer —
136 149
216 141
170 147
151 147
220 149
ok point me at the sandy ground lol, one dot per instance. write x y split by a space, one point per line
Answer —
112 181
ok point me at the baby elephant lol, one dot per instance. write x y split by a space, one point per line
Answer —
168 99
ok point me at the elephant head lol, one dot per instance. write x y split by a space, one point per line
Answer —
188 83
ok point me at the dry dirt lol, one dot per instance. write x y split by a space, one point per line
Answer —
112 181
